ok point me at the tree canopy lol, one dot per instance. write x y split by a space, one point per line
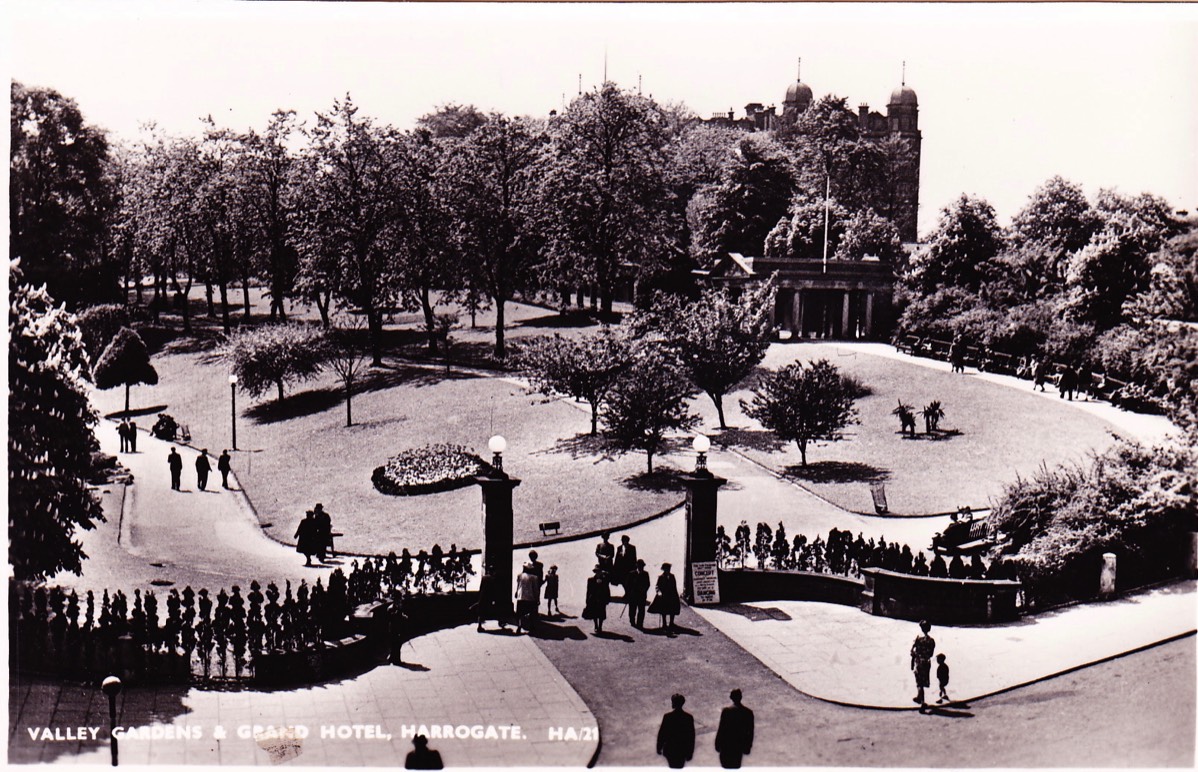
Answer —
804 403
585 368
274 355
50 437
649 400
125 362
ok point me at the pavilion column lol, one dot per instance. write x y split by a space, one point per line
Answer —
869 315
844 316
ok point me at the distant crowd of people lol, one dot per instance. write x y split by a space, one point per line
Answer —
843 555
1069 378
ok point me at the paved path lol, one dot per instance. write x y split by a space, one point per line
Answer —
843 655
460 679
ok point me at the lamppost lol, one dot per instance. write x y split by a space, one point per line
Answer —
111 688
233 403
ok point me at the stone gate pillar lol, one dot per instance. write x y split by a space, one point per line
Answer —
701 507
497 488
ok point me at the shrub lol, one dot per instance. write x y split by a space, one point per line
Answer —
1137 502
276 354
430 469
99 324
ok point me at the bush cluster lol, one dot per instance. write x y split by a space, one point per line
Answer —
1134 501
429 469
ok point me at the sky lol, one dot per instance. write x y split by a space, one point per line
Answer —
1009 95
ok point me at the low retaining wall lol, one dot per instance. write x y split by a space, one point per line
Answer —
940 601
741 585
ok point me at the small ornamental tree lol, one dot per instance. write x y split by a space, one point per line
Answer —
800 404
99 325
719 340
50 437
125 362
648 400
275 354
584 368
346 354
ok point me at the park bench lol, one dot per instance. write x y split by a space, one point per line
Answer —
964 534
547 527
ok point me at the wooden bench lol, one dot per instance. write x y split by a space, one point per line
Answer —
547 527
963 536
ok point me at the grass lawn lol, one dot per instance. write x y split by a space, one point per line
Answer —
299 452
990 434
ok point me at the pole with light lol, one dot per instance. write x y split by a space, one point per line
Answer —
497 486
233 404
111 688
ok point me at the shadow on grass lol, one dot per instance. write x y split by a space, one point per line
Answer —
935 436
837 472
657 481
583 445
295 406
570 319
761 440
135 412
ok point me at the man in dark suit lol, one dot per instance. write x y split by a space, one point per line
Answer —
203 467
175 462
625 560
636 594
224 465
734 738
676 737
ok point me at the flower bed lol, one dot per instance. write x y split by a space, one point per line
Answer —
430 469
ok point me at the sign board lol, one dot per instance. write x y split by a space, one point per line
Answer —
706 582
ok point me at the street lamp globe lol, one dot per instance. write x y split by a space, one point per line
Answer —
232 380
497 444
701 444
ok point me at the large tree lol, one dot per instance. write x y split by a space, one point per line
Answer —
125 362
801 404
492 181
753 191
351 203
59 196
958 252
648 401
584 368
720 340
50 437
606 189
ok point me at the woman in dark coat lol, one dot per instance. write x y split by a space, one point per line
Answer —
598 596
307 537
666 603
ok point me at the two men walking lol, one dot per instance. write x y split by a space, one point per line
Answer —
733 738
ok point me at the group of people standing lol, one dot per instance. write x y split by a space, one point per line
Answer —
733 737
127 431
621 566
224 465
314 536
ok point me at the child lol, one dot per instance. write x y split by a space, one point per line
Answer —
942 677
551 606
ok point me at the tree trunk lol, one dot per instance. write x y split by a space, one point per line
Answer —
324 310
279 383
224 305
245 292
126 399
208 295
430 324
349 411
374 321
500 351
802 450
594 418
718 399
607 301
649 455
185 294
